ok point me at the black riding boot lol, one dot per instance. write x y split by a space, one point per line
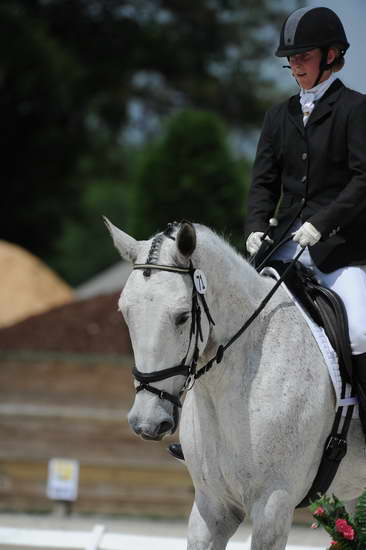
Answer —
175 449
359 362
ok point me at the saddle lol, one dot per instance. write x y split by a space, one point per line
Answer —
326 308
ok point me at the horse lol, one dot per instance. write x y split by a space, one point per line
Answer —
253 428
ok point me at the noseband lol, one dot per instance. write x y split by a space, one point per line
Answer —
195 332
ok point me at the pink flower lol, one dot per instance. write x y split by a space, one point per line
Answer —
319 511
345 529
314 525
333 543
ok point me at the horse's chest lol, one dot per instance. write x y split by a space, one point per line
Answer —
218 460
223 475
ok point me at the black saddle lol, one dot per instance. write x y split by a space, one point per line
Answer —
326 308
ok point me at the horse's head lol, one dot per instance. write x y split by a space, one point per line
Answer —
161 303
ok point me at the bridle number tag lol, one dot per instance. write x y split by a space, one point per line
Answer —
200 281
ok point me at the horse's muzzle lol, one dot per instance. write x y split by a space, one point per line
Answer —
153 432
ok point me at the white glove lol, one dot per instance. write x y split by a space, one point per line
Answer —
307 235
254 242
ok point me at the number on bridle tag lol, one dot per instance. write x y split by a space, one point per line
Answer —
200 281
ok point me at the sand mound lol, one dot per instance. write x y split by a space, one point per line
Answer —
27 285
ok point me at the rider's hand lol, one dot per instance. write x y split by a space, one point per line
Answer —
307 235
254 242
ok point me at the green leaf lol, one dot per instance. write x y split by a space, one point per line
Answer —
360 518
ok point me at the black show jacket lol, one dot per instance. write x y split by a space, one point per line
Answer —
320 167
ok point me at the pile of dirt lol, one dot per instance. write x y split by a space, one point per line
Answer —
27 286
85 326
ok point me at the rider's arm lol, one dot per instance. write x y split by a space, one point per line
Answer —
265 189
351 201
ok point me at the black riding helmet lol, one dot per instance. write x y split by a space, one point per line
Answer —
309 28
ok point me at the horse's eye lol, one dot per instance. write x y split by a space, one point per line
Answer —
182 318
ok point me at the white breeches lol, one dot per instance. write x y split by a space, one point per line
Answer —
348 282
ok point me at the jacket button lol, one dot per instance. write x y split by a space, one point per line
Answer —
304 156
303 200
303 179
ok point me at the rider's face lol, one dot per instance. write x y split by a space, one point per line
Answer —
305 68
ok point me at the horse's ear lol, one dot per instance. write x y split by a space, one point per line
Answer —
186 239
127 246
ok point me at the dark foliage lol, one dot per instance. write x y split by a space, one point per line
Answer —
73 70
191 174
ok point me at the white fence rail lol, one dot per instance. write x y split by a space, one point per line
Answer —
99 539
46 538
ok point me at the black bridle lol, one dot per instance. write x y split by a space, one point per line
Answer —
189 371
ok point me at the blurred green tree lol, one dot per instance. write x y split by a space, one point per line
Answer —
78 78
190 173
81 250
41 137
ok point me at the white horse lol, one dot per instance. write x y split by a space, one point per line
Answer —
253 428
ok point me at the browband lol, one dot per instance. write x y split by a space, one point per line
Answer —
163 267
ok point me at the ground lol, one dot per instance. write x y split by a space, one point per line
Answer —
300 535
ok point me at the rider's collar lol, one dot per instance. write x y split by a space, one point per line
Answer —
319 90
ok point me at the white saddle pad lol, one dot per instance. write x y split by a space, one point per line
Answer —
325 347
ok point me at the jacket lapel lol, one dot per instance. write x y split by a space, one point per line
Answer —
325 104
295 113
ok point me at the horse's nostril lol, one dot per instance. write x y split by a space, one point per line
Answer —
165 427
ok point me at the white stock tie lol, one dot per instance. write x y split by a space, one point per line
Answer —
308 98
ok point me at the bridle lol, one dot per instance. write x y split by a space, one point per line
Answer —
199 288
189 371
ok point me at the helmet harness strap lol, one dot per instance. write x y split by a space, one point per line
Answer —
323 65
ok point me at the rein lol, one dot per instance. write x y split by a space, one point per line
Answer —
222 348
190 371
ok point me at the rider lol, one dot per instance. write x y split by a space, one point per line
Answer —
311 165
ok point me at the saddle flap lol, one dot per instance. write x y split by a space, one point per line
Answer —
326 309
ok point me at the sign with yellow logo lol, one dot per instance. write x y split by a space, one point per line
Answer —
63 479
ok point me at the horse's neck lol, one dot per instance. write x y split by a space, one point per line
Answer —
234 287
235 290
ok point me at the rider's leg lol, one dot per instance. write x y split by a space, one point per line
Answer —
350 284
211 523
